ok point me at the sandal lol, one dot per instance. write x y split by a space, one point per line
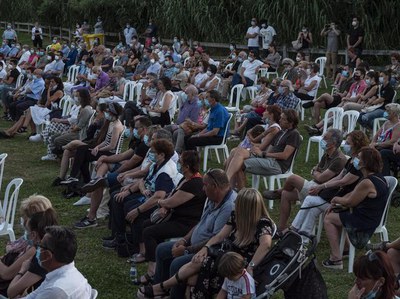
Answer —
22 130
139 258
132 259
148 292
148 279
333 264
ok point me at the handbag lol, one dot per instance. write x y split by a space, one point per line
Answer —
159 217
328 193
297 45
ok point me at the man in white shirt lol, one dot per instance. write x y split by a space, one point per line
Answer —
37 37
248 72
57 251
267 34
252 37
25 56
129 33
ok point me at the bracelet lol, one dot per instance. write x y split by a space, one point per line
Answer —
206 246
138 210
184 240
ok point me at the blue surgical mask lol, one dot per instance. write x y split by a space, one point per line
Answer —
179 167
386 114
152 157
323 144
373 293
146 140
381 80
240 59
281 90
184 97
207 103
107 116
356 163
368 82
347 149
345 73
34 77
135 133
127 133
200 103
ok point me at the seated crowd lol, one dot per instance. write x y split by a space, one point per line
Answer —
153 190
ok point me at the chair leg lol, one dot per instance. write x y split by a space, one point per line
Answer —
271 187
255 181
217 154
308 150
385 235
320 226
11 235
352 252
205 158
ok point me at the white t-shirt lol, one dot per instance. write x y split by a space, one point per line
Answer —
34 31
267 36
307 83
241 287
250 68
253 42
3 74
24 57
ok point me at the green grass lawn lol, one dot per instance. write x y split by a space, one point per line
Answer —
104 270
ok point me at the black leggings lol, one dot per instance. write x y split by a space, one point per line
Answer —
82 158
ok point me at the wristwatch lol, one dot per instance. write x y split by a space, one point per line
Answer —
252 265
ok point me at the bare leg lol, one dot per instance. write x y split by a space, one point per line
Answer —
13 130
95 200
228 161
394 256
333 227
241 154
28 118
240 179
67 154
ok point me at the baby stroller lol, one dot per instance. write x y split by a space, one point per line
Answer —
288 264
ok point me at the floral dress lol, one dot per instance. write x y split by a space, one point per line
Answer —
209 282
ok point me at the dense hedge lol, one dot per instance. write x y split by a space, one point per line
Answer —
218 20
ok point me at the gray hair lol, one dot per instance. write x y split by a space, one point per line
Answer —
164 134
289 85
336 136
193 89
119 69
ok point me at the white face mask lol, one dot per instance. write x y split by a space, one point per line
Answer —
250 59
253 23
354 23
152 60
54 41
56 57
8 27
49 57
298 59
209 73
231 48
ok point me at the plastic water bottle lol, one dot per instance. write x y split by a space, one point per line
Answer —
133 273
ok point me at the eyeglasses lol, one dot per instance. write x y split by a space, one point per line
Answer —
209 173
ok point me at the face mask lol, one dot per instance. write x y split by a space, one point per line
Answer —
201 69
199 103
49 57
72 46
298 58
128 26
373 293
345 74
54 41
233 56
264 26
231 48
354 23
18 47
386 114
251 59
107 116
136 133
38 256
27 238
304 30
152 60
154 40
368 81
381 80
95 76
152 157
356 163
175 40
184 97
281 90
167 63
179 167
57 57
34 77
323 144
83 62
209 73
357 78
32 51
8 27
207 103
253 23
23 72
196 46
146 140
347 149
41 53
127 133
76 99
308 71
240 59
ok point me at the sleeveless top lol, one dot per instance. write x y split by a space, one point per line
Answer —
107 140
386 134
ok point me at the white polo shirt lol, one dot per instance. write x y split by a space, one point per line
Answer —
253 42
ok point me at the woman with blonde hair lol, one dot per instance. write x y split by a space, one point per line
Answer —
248 232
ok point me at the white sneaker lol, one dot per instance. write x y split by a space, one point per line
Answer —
35 138
49 157
84 200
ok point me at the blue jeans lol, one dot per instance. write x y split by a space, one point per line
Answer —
168 266
237 79
367 119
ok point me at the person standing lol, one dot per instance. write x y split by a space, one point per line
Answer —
355 37
252 37
129 33
332 34
37 37
98 27
267 34
305 37
150 33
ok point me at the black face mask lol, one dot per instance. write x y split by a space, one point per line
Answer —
273 87
357 78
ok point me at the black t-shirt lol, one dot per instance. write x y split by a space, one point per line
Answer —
14 74
36 269
193 208
164 183
354 34
387 93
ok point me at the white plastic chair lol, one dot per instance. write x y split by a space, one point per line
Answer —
228 67
216 147
238 88
302 110
255 179
138 93
394 97
8 208
2 162
381 229
337 113
378 122
264 73
129 91
66 104
173 107
321 61
120 143
94 294
351 116
252 90
72 73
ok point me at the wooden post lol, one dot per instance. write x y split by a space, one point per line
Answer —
50 36
284 51
60 33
